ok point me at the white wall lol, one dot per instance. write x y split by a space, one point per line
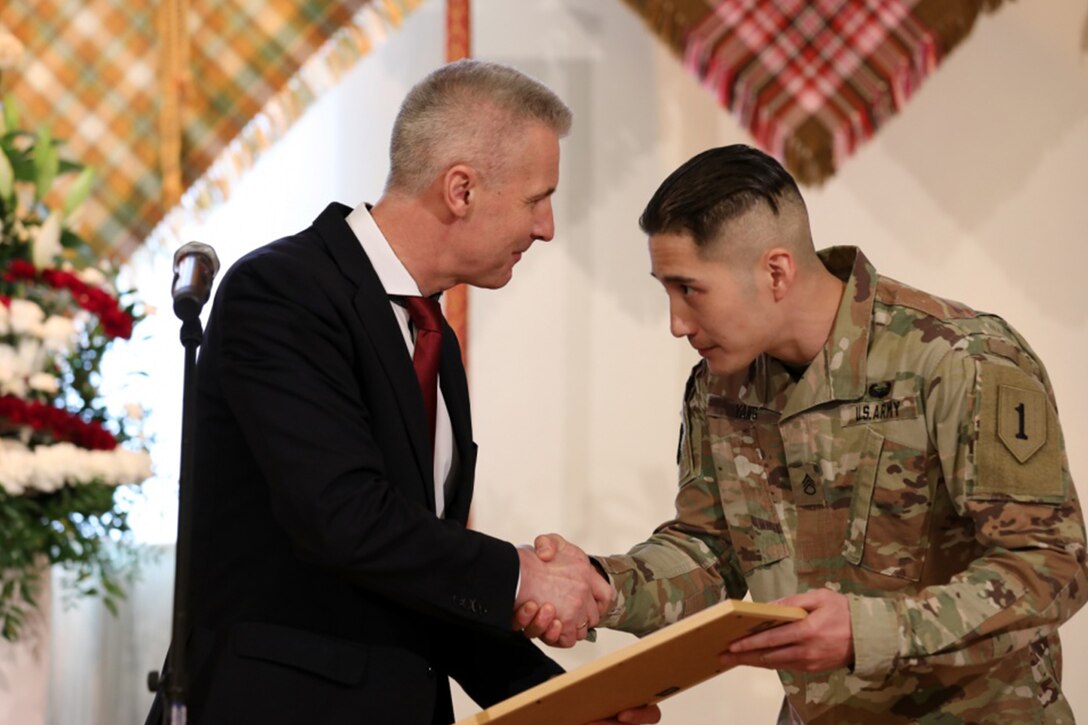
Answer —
977 191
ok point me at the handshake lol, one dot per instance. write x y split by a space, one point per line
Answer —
562 595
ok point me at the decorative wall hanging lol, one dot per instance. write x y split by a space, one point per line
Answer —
154 95
812 79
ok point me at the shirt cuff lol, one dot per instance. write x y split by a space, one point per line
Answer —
517 590
876 636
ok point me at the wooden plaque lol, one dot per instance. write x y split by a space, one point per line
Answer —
656 667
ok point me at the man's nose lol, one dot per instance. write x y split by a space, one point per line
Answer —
680 324
544 228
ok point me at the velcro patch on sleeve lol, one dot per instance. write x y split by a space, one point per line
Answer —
1019 443
684 464
1021 420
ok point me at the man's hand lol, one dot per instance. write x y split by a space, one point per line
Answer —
820 642
647 714
562 596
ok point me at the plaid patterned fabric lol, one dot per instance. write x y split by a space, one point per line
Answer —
812 79
91 73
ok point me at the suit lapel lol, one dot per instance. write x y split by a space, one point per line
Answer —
380 325
451 373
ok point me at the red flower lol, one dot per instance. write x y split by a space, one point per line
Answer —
115 321
59 423
20 269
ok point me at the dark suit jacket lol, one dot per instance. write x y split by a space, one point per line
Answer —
324 588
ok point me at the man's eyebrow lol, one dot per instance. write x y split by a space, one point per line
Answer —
543 195
673 279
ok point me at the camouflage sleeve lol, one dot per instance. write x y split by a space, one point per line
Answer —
1003 461
688 563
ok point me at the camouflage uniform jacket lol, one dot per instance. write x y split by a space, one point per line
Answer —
918 467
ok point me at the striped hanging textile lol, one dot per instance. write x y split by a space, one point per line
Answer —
812 79
177 95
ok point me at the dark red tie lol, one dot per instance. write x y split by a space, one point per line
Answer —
427 317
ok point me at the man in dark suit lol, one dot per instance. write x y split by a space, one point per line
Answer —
333 578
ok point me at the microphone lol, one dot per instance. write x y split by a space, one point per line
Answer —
195 266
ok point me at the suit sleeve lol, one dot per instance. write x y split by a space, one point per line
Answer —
287 370
473 659
1003 461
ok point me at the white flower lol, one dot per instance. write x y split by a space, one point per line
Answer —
58 333
16 464
11 379
93 277
4 316
44 382
135 411
47 241
11 50
26 317
7 363
30 356
53 465
130 466
48 468
10 483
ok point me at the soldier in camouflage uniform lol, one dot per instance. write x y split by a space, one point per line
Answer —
890 461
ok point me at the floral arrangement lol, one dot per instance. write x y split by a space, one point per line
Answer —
62 454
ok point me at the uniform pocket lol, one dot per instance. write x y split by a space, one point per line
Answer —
887 531
749 509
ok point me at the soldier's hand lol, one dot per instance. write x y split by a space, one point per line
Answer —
821 641
647 714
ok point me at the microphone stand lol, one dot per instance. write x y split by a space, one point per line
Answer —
172 685
175 712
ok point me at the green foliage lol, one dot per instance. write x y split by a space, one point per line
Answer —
78 527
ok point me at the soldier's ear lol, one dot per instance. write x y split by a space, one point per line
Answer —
781 269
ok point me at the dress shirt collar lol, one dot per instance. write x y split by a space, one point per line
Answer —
391 271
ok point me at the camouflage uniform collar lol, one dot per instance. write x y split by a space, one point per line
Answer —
838 371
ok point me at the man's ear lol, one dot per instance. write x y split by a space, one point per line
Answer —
782 269
459 189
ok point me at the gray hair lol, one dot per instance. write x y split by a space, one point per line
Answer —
467 112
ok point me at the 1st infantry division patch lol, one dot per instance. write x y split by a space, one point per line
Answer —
1019 445
1021 420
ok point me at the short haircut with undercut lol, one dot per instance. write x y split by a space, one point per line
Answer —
470 112
714 187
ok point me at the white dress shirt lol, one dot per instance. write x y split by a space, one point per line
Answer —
397 281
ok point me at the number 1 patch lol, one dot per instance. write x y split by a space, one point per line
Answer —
1021 420
1019 441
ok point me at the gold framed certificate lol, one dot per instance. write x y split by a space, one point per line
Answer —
658 666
